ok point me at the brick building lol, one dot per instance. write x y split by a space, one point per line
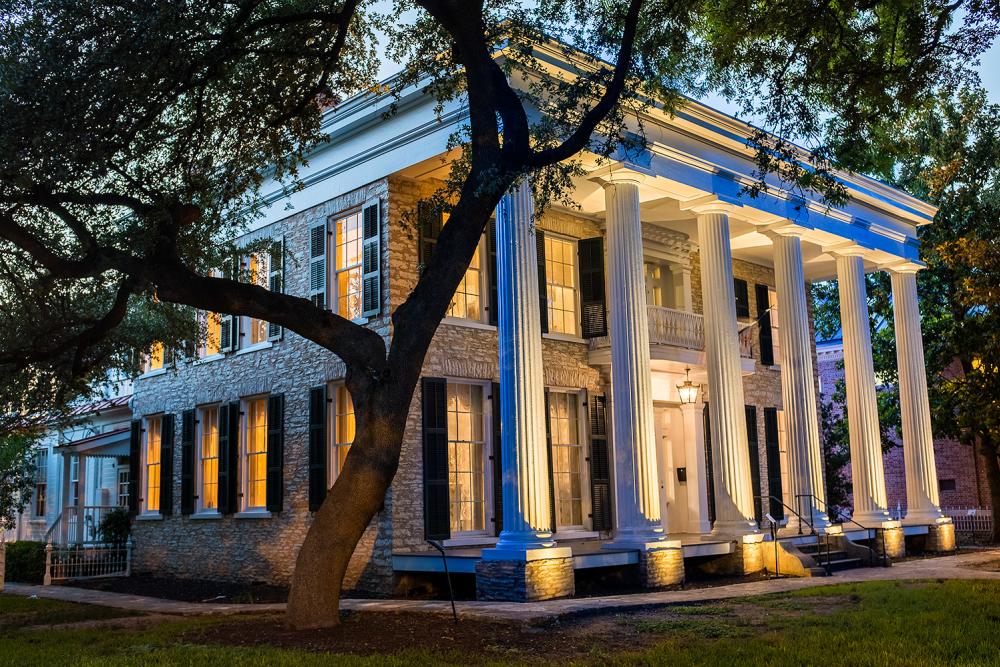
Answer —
664 272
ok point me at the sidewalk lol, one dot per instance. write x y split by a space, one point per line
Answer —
960 566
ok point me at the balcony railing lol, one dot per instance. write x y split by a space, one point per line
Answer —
78 524
679 328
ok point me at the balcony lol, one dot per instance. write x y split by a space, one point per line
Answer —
678 329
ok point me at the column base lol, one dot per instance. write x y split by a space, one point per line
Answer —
941 536
746 558
525 576
872 519
923 517
734 529
890 540
662 566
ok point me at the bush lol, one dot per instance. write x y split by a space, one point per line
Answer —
115 527
25 562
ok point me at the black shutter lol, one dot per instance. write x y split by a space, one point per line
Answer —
491 264
752 441
593 303
497 459
437 504
276 281
317 264
134 462
232 491
167 465
764 325
709 470
371 260
275 493
318 483
742 297
548 450
229 447
773 463
429 220
543 293
600 464
223 452
187 462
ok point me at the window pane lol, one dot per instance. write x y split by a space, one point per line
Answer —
153 426
343 430
256 453
466 457
560 280
567 458
209 458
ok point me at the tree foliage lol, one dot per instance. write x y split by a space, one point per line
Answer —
17 474
135 139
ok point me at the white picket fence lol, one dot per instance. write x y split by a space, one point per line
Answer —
87 561
970 519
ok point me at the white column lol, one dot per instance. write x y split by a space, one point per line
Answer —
922 501
734 513
526 513
867 472
697 473
637 486
798 385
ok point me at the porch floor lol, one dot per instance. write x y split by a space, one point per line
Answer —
587 554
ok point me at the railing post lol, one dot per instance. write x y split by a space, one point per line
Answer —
47 580
128 557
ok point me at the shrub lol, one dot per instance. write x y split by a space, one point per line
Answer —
25 562
115 527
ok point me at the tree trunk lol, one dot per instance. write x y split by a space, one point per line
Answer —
989 451
355 498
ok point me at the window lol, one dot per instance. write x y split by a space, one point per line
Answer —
560 284
946 485
467 302
156 357
74 480
208 469
567 458
41 480
259 268
152 464
466 458
347 266
123 480
772 303
211 344
255 439
343 431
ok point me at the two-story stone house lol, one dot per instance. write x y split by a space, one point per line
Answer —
649 353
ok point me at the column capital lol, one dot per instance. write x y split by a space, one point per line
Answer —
784 229
711 204
620 172
846 249
905 267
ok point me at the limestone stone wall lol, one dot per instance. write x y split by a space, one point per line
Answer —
521 581
661 567
260 549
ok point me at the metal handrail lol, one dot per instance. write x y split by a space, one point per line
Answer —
812 529
872 532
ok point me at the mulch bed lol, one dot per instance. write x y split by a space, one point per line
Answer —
189 590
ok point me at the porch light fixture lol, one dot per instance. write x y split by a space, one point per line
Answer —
687 390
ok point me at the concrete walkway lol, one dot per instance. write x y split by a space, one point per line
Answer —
960 566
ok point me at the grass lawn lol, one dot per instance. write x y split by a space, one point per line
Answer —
874 623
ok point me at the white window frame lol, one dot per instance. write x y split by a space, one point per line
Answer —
786 491
246 322
484 290
202 349
147 361
772 295
332 288
583 437
478 536
244 464
199 473
144 468
332 460
122 480
576 333
41 480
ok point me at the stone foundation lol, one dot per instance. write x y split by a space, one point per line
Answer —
661 567
525 580
747 558
941 537
891 539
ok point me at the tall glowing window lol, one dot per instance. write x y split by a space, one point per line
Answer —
343 430
560 284
466 458
347 265
41 480
209 469
152 463
259 268
468 300
567 458
256 453
212 343
772 303
156 357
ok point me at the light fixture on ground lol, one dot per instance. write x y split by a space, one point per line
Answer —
687 390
